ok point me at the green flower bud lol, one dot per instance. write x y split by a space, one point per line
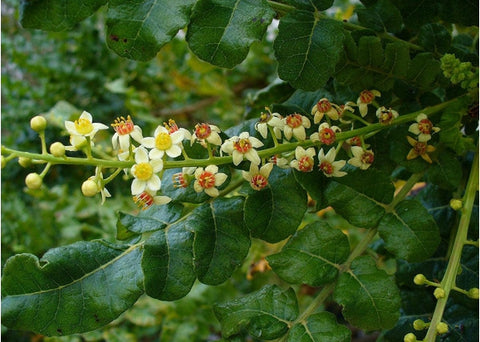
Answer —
439 293
442 328
89 188
38 123
419 279
418 324
24 162
473 293
33 181
410 337
456 204
57 149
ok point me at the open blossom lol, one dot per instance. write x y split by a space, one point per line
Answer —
295 124
207 180
84 126
124 129
258 179
386 116
145 172
419 148
325 134
164 142
328 165
172 126
148 198
303 159
423 128
242 146
325 107
205 132
361 158
270 119
366 97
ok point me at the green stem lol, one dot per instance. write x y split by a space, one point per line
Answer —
448 281
112 176
414 178
356 117
43 142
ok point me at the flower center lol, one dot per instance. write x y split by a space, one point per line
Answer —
206 180
366 96
355 141
305 164
386 117
122 126
294 120
83 126
171 126
144 200
327 136
143 171
367 157
163 141
202 131
242 145
326 167
324 106
420 148
258 182
425 126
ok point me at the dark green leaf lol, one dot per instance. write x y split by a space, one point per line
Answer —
221 32
423 70
314 183
446 171
55 15
451 134
462 12
409 232
434 38
312 256
310 5
265 313
369 297
138 29
188 194
360 196
319 327
71 289
275 212
307 49
416 13
221 239
400 148
382 16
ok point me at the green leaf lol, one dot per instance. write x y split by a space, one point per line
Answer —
275 212
360 196
319 327
138 29
266 313
311 256
461 12
383 16
71 289
451 134
168 262
423 70
314 183
221 32
416 13
307 49
446 171
400 147
409 232
369 297
181 194
54 15
434 38
310 5
221 240
154 218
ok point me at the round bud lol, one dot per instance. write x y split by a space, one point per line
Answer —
24 162
419 279
418 324
57 149
33 181
4 162
473 293
89 188
439 293
456 204
442 328
410 337
38 123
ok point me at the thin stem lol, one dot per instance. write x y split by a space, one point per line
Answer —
45 170
112 176
356 117
43 142
414 178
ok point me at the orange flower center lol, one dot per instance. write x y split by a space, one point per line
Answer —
258 182
324 106
355 141
327 136
326 167
294 120
206 180
367 157
420 147
242 145
83 126
367 96
202 131
122 126
305 164
425 126
386 117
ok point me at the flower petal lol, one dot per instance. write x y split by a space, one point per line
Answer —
220 178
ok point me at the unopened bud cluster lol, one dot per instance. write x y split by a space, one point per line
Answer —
459 72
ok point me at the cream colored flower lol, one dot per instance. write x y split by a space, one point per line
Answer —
386 116
83 127
325 134
273 120
258 179
419 148
148 198
145 172
208 180
164 142
325 107
366 97
328 165
295 125
303 159
423 128
242 146
361 158
205 132
124 129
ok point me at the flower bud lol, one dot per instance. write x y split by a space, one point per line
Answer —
4 162
418 324
57 149
473 293
89 188
33 181
439 293
24 162
38 123
419 279
442 328
456 204
410 337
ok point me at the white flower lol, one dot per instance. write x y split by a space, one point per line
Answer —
361 158
386 116
258 179
148 198
207 180
84 126
172 126
164 142
144 172
325 107
206 132
366 97
295 125
241 147
124 129
303 159
423 128
270 119
328 165
325 134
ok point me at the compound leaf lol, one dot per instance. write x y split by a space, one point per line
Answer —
319 327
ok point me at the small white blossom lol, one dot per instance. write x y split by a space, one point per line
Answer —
423 128
124 129
84 126
144 172
295 125
366 97
328 165
205 132
325 107
148 198
243 146
273 120
361 158
258 179
303 159
208 180
164 142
